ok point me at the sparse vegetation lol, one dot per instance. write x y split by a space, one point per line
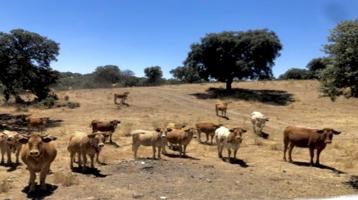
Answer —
65 179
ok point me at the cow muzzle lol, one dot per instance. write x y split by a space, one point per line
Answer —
34 153
328 141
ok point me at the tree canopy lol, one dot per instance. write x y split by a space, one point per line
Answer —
342 48
296 73
228 55
316 65
107 74
25 59
154 75
186 74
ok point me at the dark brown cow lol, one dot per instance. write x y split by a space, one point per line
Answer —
109 127
307 138
37 122
38 153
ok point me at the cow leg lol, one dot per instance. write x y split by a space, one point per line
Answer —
311 154
211 138
318 153
285 145
79 154
2 156
84 157
154 150
92 160
235 152
135 149
17 155
72 157
32 181
199 136
207 137
290 148
184 150
229 153
220 150
43 174
159 151
110 137
9 156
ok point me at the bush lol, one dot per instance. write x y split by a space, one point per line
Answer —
296 73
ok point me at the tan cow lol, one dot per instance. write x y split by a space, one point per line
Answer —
38 153
85 144
122 96
307 138
9 143
37 122
156 139
222 107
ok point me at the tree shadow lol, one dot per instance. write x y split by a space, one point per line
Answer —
13 122
171 155
38 193
353 182
274 97
320 166
235 161
89 171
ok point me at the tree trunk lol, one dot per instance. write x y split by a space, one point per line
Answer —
228 85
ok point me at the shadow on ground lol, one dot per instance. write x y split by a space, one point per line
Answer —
236 161
89 171
320 166
275 97
38 193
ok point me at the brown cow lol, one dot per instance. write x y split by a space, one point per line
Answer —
102 126
221 106
38 153
37 122
307 138
208 129
181 138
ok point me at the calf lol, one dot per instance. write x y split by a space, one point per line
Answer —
258 122
307 138
102 126
37 122
156 139
228 138
221 106
181 138
9 143
85 144
208 129
38 153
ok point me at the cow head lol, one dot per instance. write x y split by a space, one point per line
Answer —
97 140
237 134
115 123
35 143
163 132
326 134
12 140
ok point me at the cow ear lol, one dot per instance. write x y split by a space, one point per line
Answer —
244 130
320 131
336 132
232 130
23 140
47 139
158 130
91 135
169 129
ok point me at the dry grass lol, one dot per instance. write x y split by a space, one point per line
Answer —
125 129
5 186
65 179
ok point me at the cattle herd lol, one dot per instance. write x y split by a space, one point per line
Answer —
38 152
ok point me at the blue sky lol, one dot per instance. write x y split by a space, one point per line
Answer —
134 34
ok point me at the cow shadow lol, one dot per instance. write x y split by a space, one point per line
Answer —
236 161
263 135
353 182
54 123
224 117
320 166
274 97
89 171
38 193
115 144
172 155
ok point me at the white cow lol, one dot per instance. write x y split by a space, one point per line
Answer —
258 122
228 138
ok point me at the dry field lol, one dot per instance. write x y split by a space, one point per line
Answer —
259 173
